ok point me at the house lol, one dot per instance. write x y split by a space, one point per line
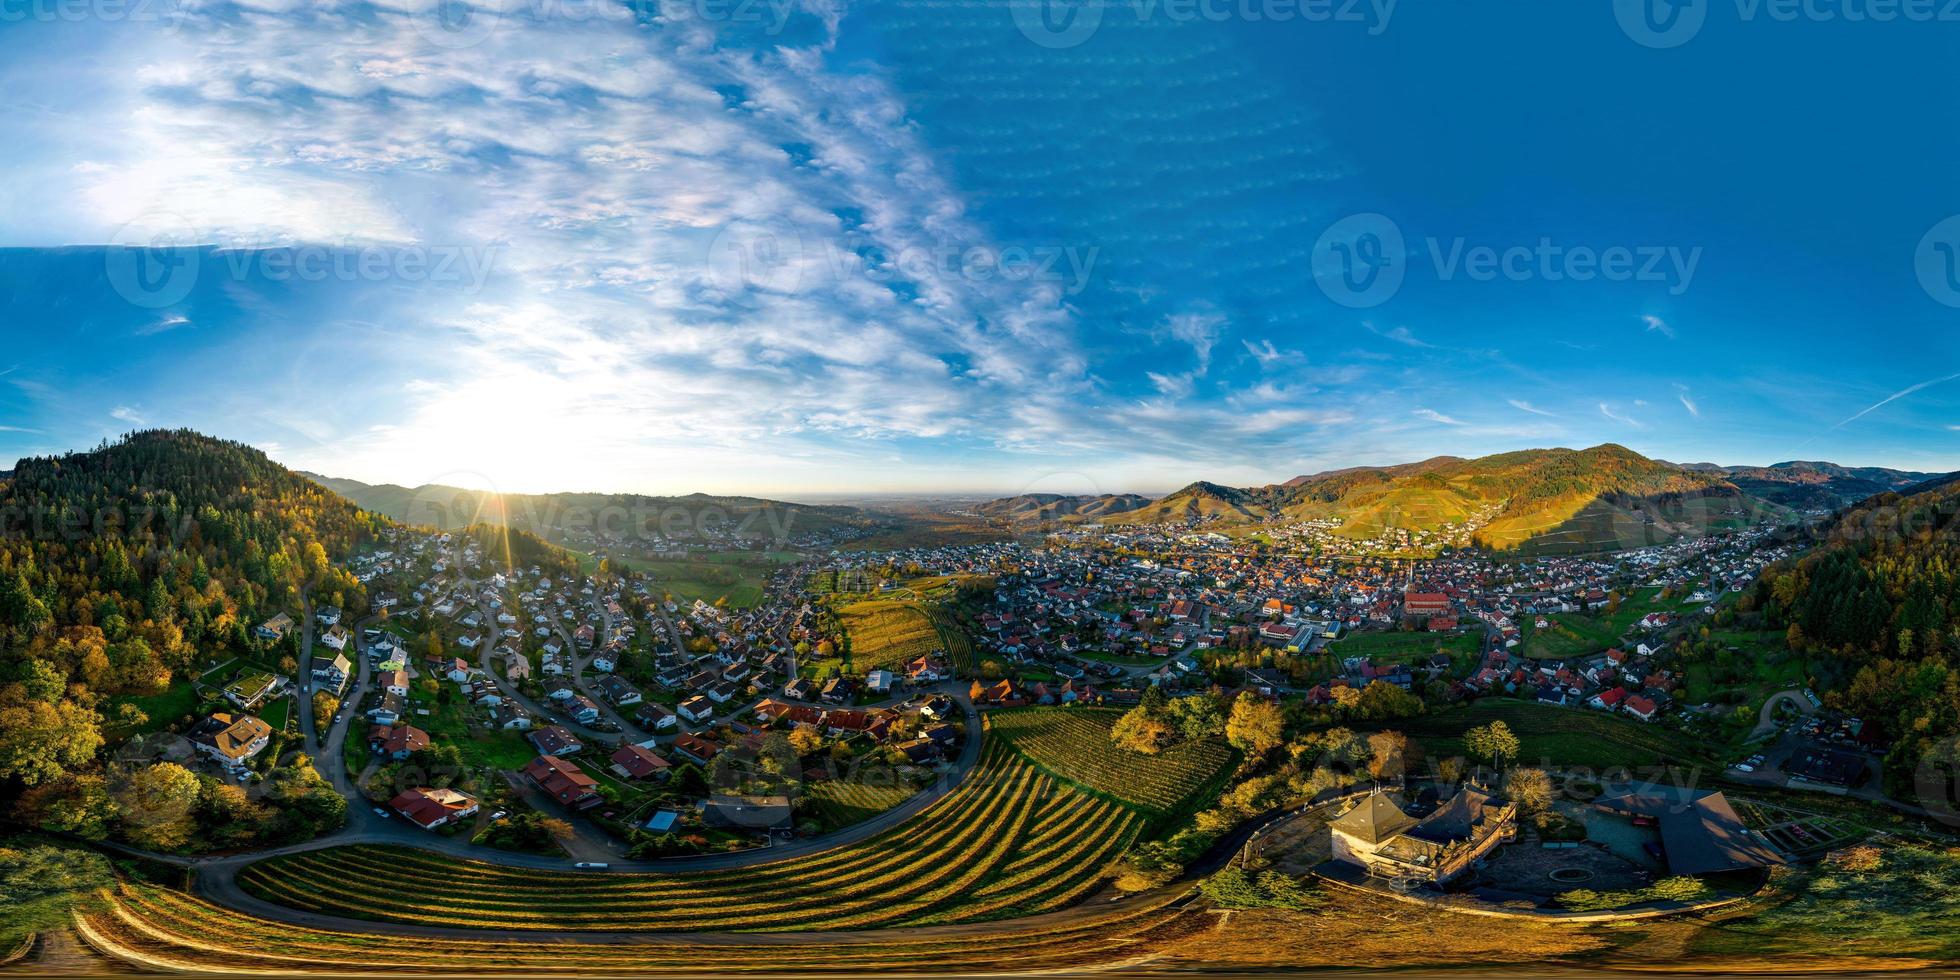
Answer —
697 709
459 670
839 690
274 629
564 782
879 681
1609 699
555 740
1425 604
638 762
655 718
696 748
799 689
509 717
327 615
231 741
388 711
252 690
1379 837
1642 707
397 742
746 812
583 710
429 808
619 692
394 682
332 674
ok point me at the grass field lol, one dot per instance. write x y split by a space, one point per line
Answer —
156 928
838 803
1395 646
1580 634
1560 736
1010 840
1073 744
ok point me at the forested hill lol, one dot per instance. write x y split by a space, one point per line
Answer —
122 566
1880 600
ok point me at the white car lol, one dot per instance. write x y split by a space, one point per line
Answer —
594 865
383 814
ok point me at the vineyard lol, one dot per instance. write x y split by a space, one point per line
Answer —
157 928
1010 841
1074 744
837 803
887 633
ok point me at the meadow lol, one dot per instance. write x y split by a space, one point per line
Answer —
1562 736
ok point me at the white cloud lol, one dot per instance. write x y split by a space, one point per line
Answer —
1681 392
1609 412
1657 325
1268 355
124 413
1435 416
1400 335
1525 406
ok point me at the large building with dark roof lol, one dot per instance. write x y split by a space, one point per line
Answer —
1700 833
1381 837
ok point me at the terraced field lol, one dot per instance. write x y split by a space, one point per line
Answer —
1012 840
1073 744
157 928
887 632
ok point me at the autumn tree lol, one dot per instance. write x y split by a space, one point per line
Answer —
1493 741
1256 726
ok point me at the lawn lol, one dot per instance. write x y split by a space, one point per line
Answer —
275 714
453 724
1751 666
1550 735
176 703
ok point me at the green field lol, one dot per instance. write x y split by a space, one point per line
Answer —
1409 648
1558 736
1074 744
1581 634
171 707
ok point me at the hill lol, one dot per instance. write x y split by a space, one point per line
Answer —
136 562
1030 508
1878 605
575 518
1542 499
1806 485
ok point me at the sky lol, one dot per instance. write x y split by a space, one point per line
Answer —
812 246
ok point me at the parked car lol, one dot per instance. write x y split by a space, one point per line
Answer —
383 814
594 865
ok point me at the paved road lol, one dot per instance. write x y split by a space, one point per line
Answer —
1766 722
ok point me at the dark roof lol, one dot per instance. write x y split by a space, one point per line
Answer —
1375 820
1700 832
1456 820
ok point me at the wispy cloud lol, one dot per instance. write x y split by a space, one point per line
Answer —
1657 325
1681 392
1436 416
124 413
163 325
1620 417
1525 406
1268 355
1400 335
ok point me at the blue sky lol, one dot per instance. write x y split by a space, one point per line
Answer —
802 246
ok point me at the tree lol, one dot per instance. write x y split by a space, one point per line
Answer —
1531 790
1141 731
40 741
1385 754
158 804
1198 717
805 739
324 705
1256 726
1492 741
